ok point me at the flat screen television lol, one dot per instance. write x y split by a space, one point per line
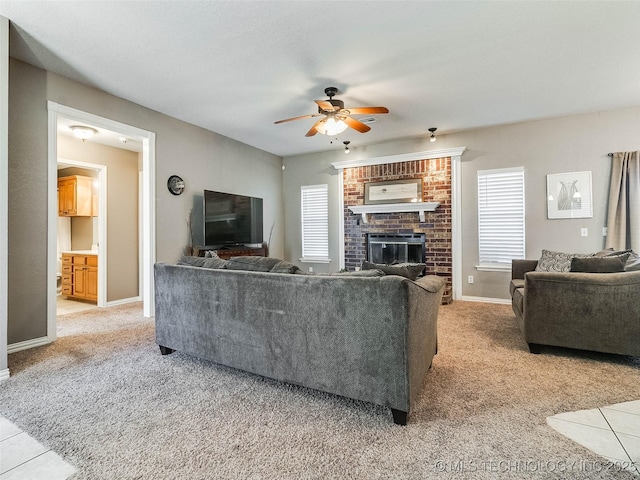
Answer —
231 219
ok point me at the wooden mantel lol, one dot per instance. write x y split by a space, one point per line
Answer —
419 207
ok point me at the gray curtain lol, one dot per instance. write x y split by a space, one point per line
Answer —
623 219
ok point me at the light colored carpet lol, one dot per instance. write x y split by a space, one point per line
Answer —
105 399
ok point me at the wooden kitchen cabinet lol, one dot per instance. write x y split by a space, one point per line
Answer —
80 276
75 197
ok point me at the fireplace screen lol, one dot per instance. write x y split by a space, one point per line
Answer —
400 248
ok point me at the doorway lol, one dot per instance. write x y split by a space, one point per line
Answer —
147 207
87 233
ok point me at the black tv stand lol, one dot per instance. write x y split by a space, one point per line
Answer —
226 252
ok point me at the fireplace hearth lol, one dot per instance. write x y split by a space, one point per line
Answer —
396 248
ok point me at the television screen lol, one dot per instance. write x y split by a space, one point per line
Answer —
231 219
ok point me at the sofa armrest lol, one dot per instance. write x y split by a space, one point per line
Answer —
520 267
431 283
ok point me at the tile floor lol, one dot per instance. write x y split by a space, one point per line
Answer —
613 432
65 306
24 458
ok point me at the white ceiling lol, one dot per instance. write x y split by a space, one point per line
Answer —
103 136
235 67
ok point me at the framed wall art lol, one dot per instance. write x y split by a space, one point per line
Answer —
393 191
569 195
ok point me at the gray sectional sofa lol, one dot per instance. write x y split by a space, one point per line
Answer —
587 310
363 336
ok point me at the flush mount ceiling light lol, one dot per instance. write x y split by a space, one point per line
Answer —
82 132
346 146
433 134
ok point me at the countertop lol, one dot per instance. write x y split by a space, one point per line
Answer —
81 252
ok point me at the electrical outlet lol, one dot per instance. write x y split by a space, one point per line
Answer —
584 232
310 269
604 231
470 279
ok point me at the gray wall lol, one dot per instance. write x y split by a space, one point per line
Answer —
569 144
27 266
205 160
314 169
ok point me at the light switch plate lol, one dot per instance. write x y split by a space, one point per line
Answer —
584 232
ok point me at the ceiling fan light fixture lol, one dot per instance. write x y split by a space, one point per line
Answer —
432 138
82 132
337 118
346 146
332 127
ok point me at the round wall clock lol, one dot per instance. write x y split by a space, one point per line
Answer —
175 184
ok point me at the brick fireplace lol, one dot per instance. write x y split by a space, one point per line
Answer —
436 187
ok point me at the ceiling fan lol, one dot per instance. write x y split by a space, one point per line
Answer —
336 119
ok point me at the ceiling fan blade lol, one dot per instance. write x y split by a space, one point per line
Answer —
298 118
312 131
367 110
326 105
356 124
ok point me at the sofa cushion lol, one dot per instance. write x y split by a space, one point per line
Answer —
261 264
515 284
517 302
358 273
214 263
252 263
609 264
557 261
407 270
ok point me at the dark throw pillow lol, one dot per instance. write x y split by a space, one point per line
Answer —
633 260
611 264
284 267
633 263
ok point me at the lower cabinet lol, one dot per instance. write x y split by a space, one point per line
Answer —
80 276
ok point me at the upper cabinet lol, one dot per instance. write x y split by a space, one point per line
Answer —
75 196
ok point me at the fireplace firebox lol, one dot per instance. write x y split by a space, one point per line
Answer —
397 248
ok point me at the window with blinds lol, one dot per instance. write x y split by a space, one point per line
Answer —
315 222
500 217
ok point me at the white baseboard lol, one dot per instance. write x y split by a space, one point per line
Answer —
4 374
124 301
503 301
36 342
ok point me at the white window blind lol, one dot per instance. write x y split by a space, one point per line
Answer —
500 217
315 222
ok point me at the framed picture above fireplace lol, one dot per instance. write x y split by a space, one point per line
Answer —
393 191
